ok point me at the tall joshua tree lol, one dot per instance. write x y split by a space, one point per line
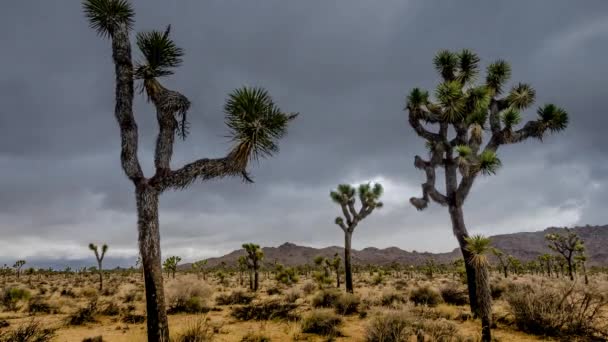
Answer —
568 245
464 114
199 267
99 258
170 265
478 246
255 255
17 266
546 261
345 196
335 264
255 124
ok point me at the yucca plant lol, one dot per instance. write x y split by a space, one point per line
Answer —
170 265
345 196
254 121
478 247
99 257
455 124
254 255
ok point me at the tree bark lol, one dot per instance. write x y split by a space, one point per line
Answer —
149 248
348 276
255 276
484 302
461 233
570 273
100 278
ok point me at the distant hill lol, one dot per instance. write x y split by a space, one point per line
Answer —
524 246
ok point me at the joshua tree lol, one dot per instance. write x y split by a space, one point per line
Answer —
170 265
514 264
242 265
335 264
99 258
199 267
567 245
504 265
467 109
345 195
581 259
479 246
546 261
254 256
255 124
17 266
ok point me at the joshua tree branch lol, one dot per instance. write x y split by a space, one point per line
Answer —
164 141
428 188
123 110
347 216
532 129
421 131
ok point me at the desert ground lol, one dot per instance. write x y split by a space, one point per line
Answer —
219 306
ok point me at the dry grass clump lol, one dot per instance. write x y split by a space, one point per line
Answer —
453 293
321 322
38 305
83 315
255 337
392 298
198 330
187 294
235 297
346 304
326 298
399 326
32 331
270 309
309 287
425 295
12 296
292 295
560 311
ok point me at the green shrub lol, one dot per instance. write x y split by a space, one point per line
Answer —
425 295
390 298
497 289
235 297
83 315
12 295
452 293
38 305
321 322
271 309
393 326
346 304
326 298
188 305
196 331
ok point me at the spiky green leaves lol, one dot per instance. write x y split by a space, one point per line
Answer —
468 65
255 123
160 52
521 96
464 151
478 246
417 98
510 117
106 16
344 194
370 195
553 117
499 73
488 163
461 67
446 63
449 94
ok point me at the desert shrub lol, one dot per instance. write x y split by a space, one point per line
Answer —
32 331
497 289
235 297
12 295
132 318
198 330
390 298
321 322
255 337
38 305
326 298
273 291
292 295
88 292
425 295
400 284
67 293
393 326
347 304
83 315
559 311
271 309
93 339
309 287
452 293
110 309
187 294
287 276
378 278
438 330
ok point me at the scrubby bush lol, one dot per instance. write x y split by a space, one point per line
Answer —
309 287
393 326
273 291
32 331
271 309
425 295
255 337
235 297
452 293
346 304
326 298
83 315
561 311
11 296
292 295
132 318
391 298
198 330
187 294
93 339
110 309
321 322
497 289
67 293
37 305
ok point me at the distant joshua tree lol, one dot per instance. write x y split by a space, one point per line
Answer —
199 267
502 260
462 112
255 255
170 265
99 258
335 264
479 246
345 196
254 121
17 266
546 260
568 245
243 266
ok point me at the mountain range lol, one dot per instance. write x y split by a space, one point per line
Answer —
524 246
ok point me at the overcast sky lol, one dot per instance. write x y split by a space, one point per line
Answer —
346 66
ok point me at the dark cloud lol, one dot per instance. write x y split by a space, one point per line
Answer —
346 67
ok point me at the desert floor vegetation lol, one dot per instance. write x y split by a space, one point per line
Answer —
69 307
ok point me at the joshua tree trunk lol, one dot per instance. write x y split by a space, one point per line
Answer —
149 246
100 276
460 231
348 276
570 272
484 302
585 273
255 276
337 279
